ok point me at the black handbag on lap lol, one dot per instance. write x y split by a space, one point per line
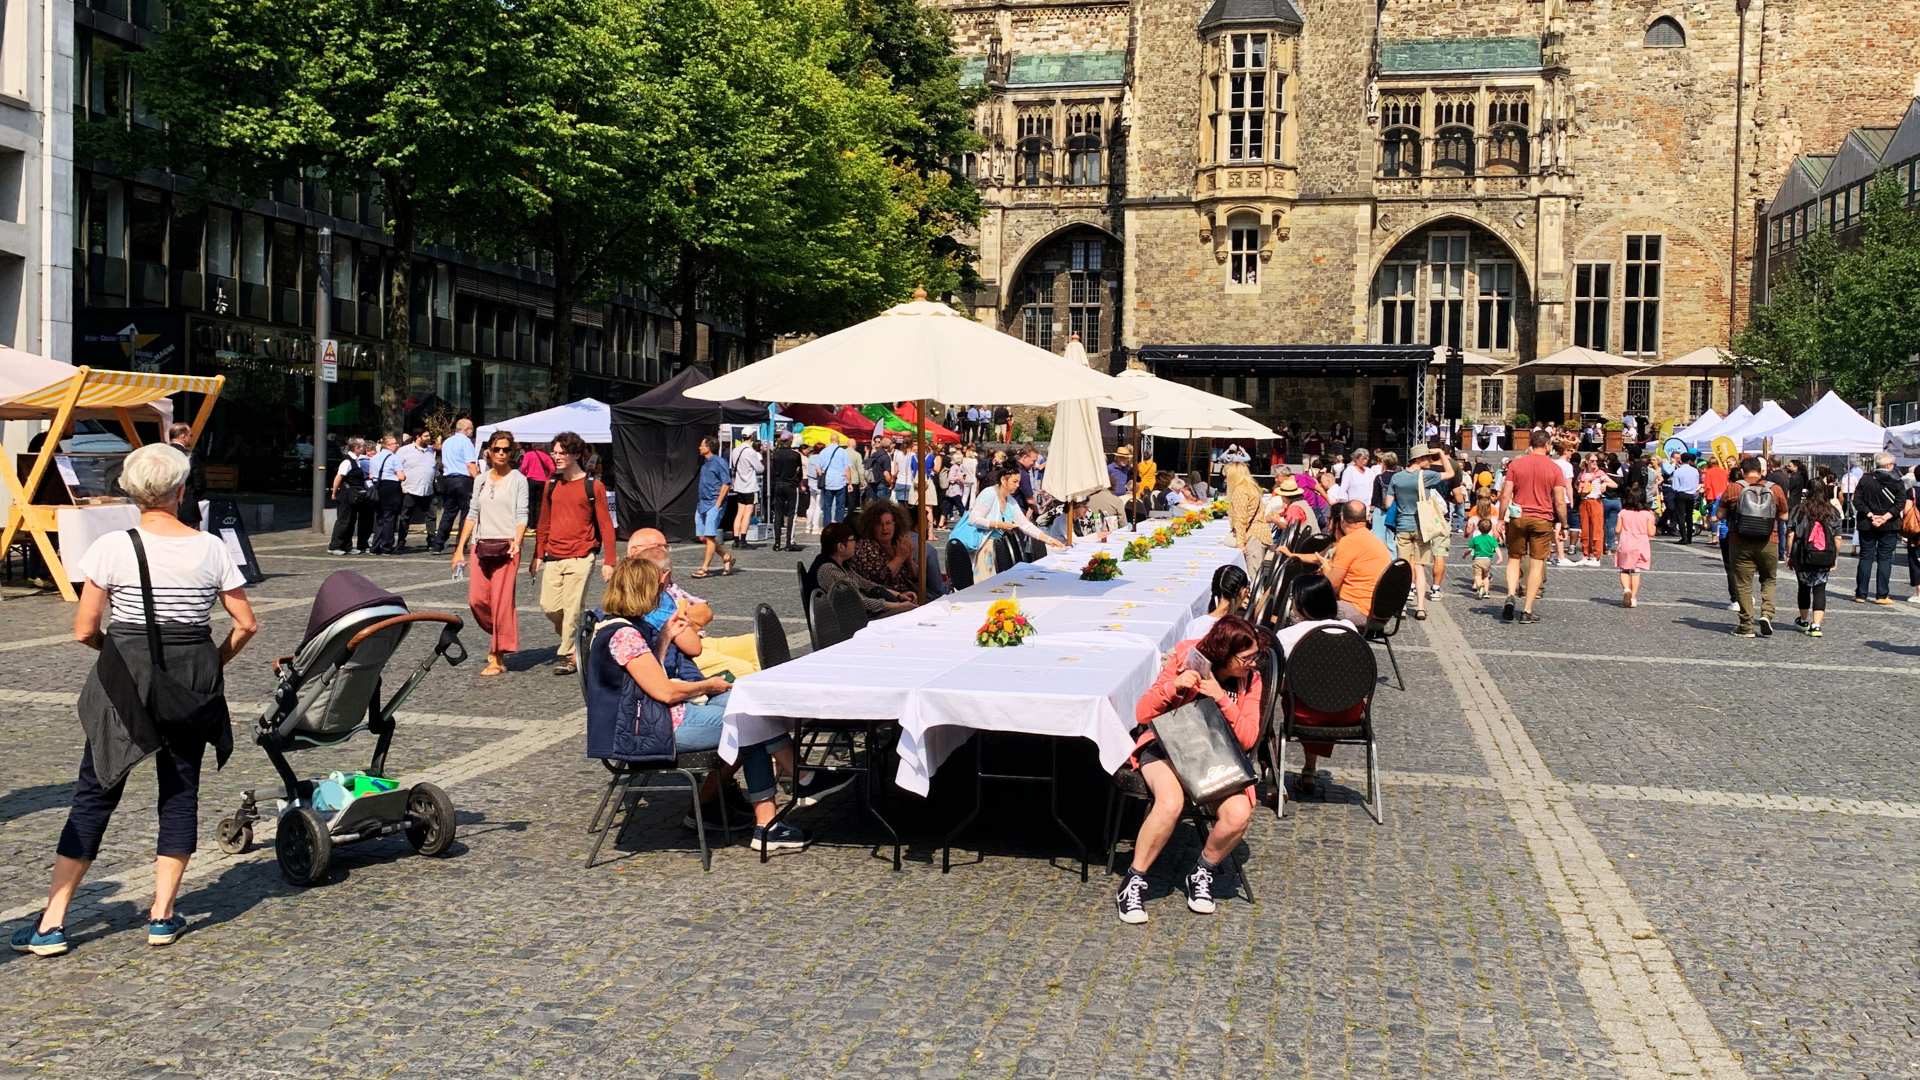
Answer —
1203 752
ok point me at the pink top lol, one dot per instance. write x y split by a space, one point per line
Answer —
1633 540
1242 710
628 644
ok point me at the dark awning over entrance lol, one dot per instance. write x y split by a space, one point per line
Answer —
1287 360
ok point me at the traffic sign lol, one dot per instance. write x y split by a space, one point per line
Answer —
329 360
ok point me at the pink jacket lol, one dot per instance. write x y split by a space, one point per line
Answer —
1242 711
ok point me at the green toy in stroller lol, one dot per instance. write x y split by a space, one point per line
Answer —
328 692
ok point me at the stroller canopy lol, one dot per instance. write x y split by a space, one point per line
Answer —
345 591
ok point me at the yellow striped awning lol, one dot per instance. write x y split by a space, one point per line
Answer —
116 389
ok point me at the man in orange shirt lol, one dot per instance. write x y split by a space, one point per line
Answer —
1355 562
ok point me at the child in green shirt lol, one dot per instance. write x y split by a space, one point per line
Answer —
1485 549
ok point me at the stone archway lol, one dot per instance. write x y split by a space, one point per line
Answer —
1068 282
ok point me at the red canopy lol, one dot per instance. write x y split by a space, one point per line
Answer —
906 410
821 416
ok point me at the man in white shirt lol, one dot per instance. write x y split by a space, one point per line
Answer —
383 472
1568 538
459 464
902 478
746 464
417 462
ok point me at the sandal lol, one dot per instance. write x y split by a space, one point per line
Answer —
701 574
726 568
1420 614
492 670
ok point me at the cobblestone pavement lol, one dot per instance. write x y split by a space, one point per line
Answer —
1618 843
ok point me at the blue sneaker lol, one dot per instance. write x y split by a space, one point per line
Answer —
31 939
164 931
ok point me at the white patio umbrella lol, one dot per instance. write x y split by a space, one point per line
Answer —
1472 363
915 351
1575 360
1076 458
1201 426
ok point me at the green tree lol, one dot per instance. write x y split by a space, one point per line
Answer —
1784 347
255 91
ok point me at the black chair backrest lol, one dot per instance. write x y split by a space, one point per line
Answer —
959 565
770 638
1270 674
848 610
583 644
1390 593
806 592
1331 670
1003 554
1275 611
822 628
1313 545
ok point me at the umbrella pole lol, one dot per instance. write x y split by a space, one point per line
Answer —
920 471
1131 493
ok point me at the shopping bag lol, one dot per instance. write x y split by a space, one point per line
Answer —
1203 752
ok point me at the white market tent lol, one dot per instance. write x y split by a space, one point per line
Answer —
1771 417
591 420
1704 422
1903 442
1829 426
1739 417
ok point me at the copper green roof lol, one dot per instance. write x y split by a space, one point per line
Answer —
1460 54
1069 69
973 70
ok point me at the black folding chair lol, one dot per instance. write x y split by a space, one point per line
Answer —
806 593
631 780
770 644
826 624
1389 604
1331 672
1130 787
1003 554
848 609
959 565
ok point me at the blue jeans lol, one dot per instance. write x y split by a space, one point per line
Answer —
1876 561
833 505
1611 505
700 730
902 492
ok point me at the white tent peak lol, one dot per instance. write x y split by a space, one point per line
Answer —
1829 426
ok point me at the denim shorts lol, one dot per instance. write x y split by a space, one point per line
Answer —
706 521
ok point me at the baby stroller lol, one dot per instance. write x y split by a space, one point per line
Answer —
328 692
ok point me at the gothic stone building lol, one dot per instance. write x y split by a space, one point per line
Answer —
1510 177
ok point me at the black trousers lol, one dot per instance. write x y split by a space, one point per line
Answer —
786 498
346 514
1682 509
178 761
1726 561
415 506
390 499
1813 597
457 493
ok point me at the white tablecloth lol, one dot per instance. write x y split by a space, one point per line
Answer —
1096 651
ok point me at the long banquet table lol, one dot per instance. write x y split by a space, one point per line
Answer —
1096 651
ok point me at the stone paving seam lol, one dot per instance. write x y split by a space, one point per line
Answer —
1657 1026
135 884
1688 661
1745 800
69 699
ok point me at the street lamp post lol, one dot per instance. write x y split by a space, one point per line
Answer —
322 329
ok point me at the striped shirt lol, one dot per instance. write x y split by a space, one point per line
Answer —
189 573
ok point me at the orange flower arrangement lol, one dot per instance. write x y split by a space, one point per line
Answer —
1004 626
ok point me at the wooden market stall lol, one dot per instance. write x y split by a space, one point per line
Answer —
36 388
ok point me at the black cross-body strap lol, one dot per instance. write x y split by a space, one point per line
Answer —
146 598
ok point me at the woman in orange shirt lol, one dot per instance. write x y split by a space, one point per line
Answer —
1232 652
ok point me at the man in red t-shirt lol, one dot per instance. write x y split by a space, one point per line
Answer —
1533 516
569 535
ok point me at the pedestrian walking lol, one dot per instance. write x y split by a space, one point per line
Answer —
459 464
710 490
575 526
418 463
388 498
1910 528
1686 495
785 477
1484 548
838 471
1534 498
1633 543
1815 528
746 464
156 691
496 525
1752 508
1877 505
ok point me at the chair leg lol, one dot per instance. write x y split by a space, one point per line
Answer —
625 783
1374 805
1279 754
699 819
1112 820
1240 873
613 781
1395 661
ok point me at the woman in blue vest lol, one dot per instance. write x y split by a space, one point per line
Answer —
995 510
640 707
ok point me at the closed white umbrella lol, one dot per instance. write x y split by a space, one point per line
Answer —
1076 458
1219 427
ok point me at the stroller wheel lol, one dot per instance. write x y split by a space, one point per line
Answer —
430 823
234 836
304 847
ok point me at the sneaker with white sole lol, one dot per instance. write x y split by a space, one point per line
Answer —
1766 626
778 836
1199 889
1914 599
815 788
166 931
31 939
1130 902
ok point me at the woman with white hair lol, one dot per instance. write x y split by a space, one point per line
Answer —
156 690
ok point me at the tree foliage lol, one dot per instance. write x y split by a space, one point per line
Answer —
1845 317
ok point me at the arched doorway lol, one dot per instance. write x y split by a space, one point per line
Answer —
1068 284
1454 283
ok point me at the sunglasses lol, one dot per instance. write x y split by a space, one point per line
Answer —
499 449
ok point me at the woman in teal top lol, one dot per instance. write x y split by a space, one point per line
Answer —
994 510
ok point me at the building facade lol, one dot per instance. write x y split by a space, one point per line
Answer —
1509 177
160 279
1829 191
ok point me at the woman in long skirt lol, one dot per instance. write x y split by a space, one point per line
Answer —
496 522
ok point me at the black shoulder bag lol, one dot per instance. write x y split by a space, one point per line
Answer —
171 704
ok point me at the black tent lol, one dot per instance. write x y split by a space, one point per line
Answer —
656 451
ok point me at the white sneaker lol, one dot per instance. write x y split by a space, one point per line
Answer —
1914 599
1564 561
1735 606
1591 561
1199 889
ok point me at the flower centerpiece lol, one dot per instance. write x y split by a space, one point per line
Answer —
1004 626
1193 519
1102 567
1161 538
1136 551
1219 509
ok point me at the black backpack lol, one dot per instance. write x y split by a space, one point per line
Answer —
1754 512
1813 546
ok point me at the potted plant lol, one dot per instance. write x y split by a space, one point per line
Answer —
1615 436
1517 427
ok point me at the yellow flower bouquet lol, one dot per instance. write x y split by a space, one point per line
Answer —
1101 567
1219 509
1161 538
1004 626
1137 551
